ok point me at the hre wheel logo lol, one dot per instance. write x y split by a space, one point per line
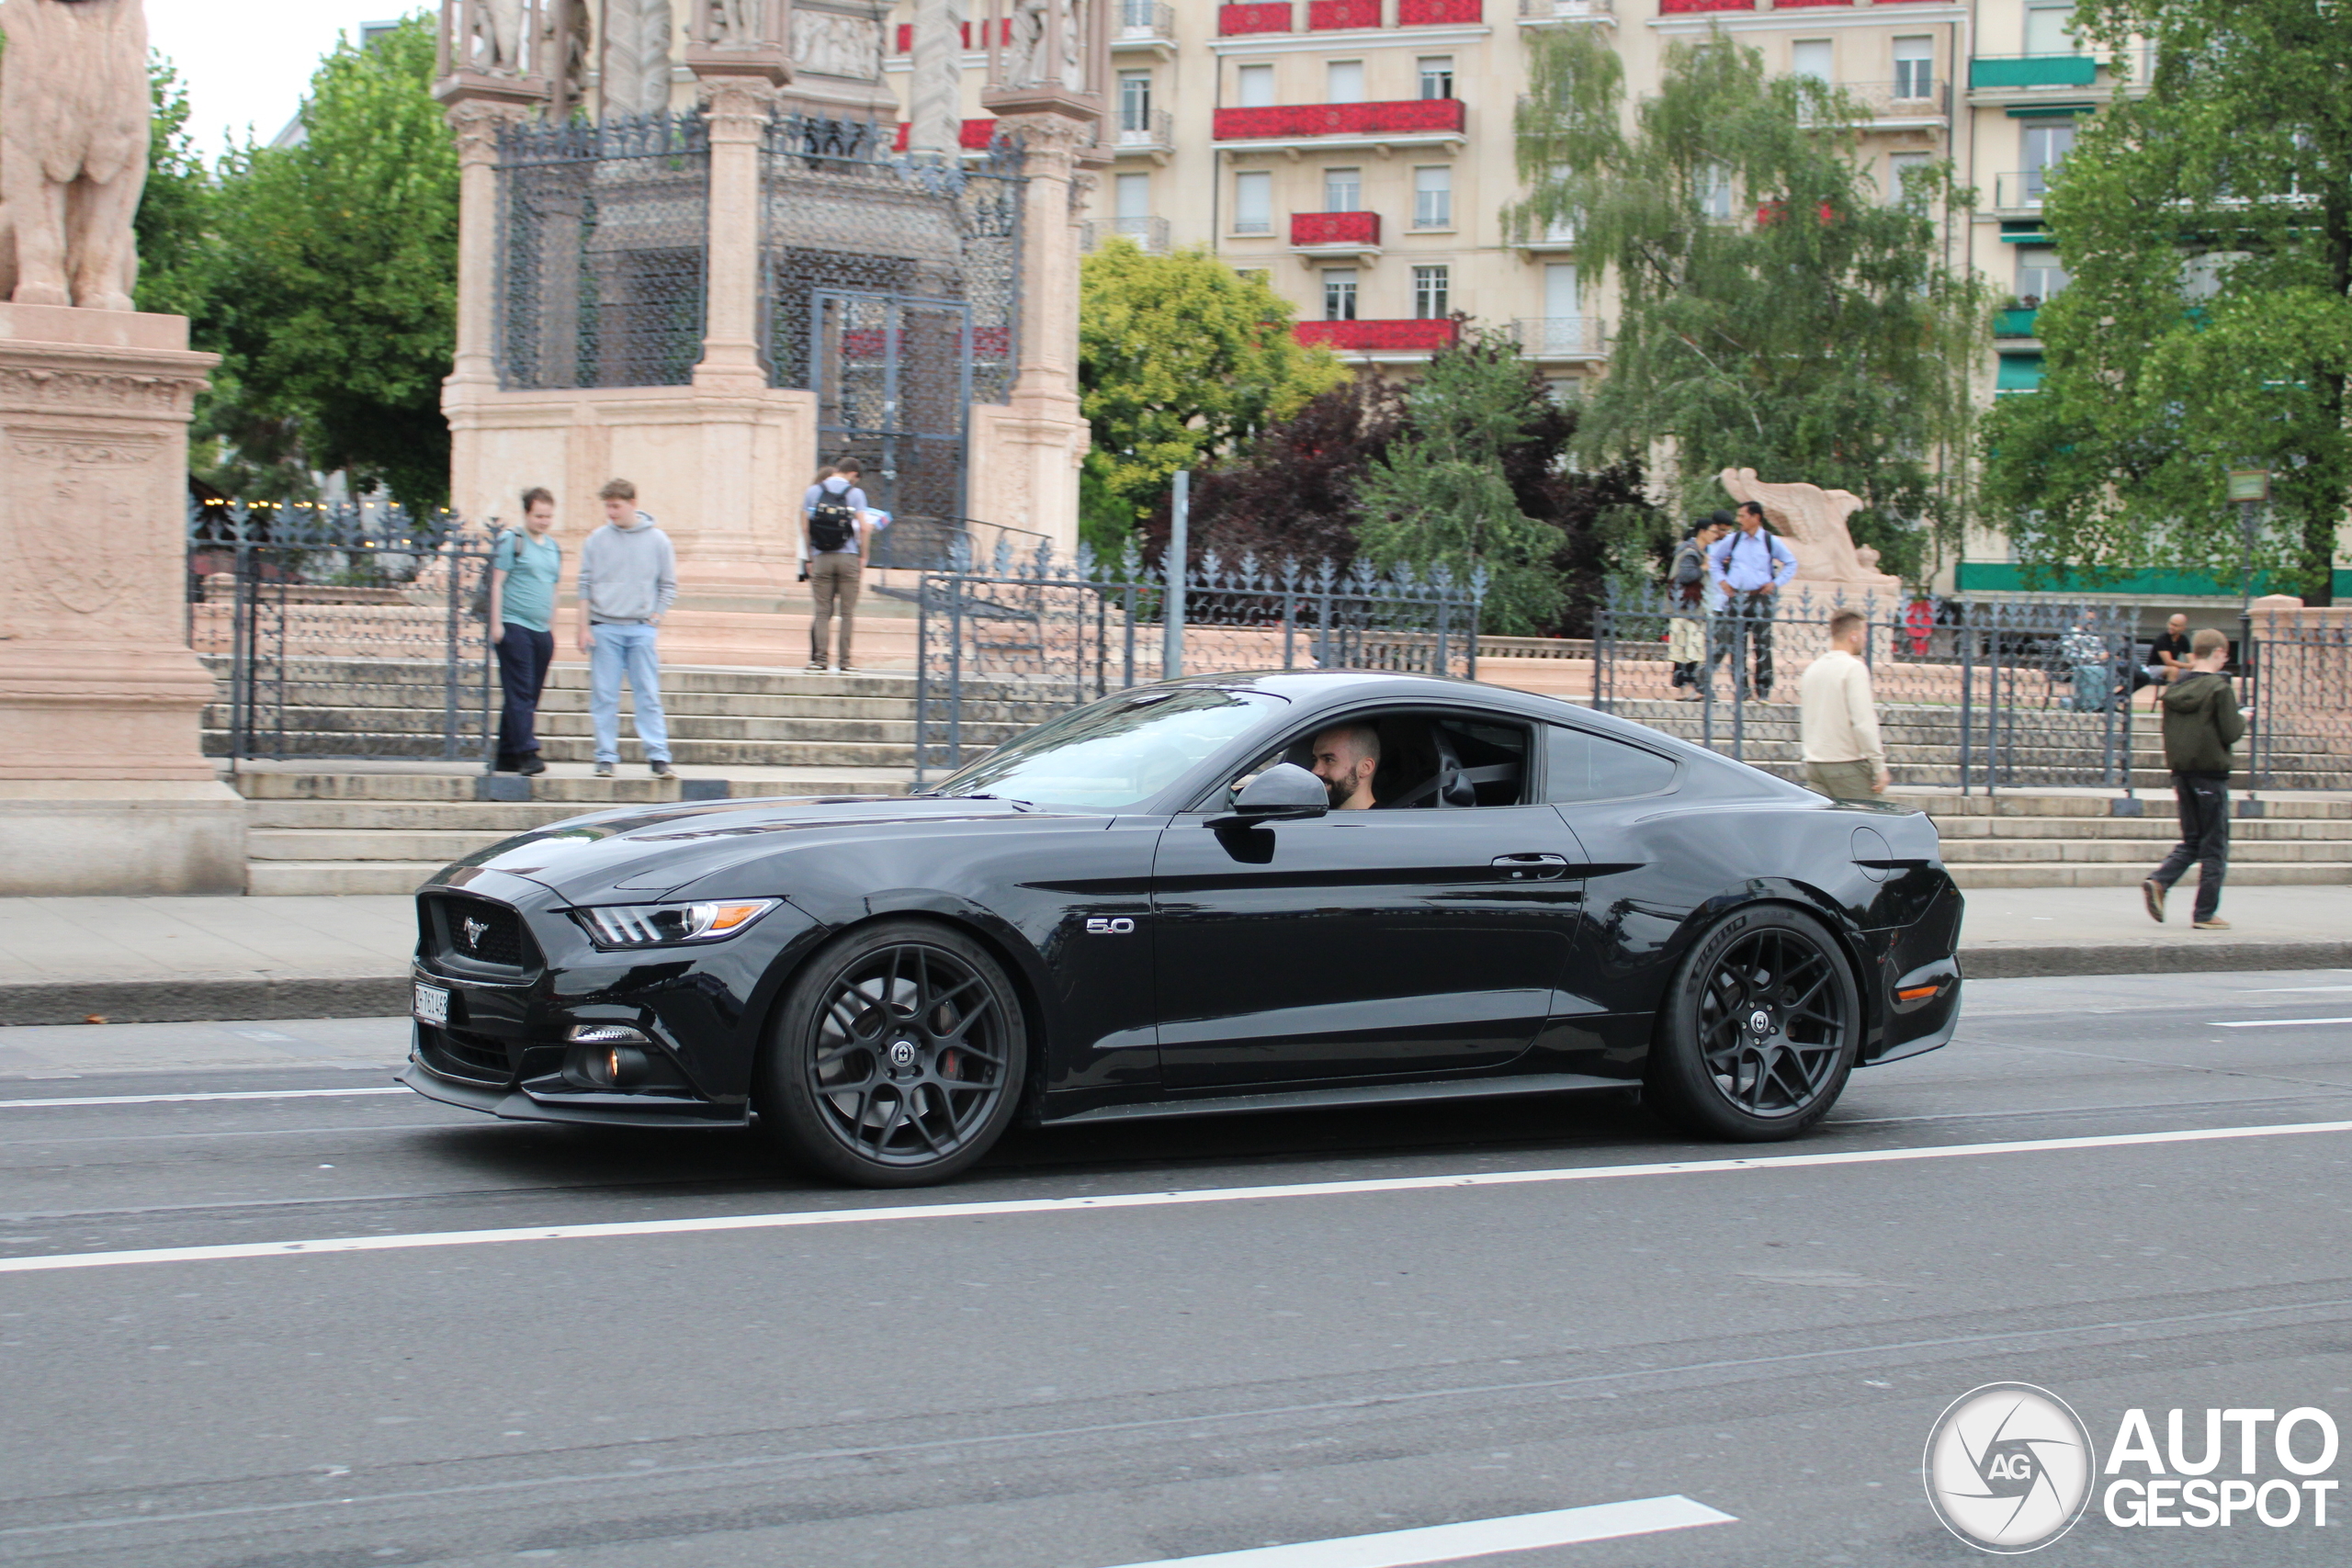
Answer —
2009 1468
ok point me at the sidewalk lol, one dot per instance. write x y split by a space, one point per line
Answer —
66 961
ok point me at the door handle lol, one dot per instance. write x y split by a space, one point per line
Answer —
1530 867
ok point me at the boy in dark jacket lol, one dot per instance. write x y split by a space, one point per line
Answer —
2201 723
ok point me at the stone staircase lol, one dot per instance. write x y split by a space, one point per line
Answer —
328 827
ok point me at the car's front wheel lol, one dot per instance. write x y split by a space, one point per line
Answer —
1759 1029
895 1058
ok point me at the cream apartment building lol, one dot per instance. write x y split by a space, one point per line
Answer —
1359 154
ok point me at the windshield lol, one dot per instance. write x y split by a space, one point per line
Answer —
1115 754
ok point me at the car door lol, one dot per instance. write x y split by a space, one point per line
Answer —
1605 788
1426 938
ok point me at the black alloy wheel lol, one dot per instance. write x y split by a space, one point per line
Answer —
897 1057
1759 1034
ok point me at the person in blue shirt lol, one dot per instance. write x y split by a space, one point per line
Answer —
523 575
1749 566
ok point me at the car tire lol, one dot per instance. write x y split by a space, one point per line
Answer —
897 1057
1758 1031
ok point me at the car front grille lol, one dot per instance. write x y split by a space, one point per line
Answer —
479 931
462 1054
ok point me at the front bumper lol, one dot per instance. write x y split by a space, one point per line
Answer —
519 1105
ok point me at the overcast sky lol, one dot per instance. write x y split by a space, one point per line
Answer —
247 62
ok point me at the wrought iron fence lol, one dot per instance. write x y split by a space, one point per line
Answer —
919 543
2298 694
604 235
891 289
342 631
1971 692
1009 643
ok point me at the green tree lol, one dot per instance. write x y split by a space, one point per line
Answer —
1180 357
1778 312
2207 232
1439 495
176 252
337 303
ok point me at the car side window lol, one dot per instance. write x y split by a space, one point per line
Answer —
1426 761
1580 765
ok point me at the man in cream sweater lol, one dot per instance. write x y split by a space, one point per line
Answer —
1844 758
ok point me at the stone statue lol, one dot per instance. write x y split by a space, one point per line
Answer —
732 23
498 37
1037 65
73 117
1812 521
639 35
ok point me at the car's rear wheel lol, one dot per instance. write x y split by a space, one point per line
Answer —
1759 1031
895 1058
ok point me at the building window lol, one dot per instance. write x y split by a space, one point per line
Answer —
1811 58
2039 275
1132 194
1254 274
2045 147
1902 168
1431 293
1135 100
1915 68
1342 190
1437 75
1343 82
1562 302
2046 30
1253 203
1714 192
1254 86
1339 294
1434 197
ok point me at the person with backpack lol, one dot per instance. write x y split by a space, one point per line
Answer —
1751 565
832 558
2201 723
1690 602
523 569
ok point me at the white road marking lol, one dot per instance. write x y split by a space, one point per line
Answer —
2281 990
2280 1023
797 1219
1478 1538
185 1099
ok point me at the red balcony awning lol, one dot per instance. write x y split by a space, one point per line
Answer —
1669 8
974 135
1335 16
1406 336
1440 12
1401 117
1335 228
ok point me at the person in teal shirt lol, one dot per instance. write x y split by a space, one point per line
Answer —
523 572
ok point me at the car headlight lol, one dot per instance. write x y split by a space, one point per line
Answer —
665 925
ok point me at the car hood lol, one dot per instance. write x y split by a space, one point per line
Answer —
648 851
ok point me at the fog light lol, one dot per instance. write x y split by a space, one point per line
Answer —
606 1056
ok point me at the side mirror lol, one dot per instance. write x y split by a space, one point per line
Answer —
1283 792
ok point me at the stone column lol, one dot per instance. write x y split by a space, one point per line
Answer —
104 785
738 81
935 93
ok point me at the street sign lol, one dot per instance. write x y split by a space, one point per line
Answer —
2249 484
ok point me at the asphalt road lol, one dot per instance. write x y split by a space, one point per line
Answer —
1070 1386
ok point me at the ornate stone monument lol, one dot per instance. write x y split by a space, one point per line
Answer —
1812 521
104 786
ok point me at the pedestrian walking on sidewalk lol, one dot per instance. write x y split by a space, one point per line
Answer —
1838 721
1750 566
1690 600
628 579
2201 723
523 572
832 558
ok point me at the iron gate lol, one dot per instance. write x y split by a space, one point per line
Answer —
342 632
893 378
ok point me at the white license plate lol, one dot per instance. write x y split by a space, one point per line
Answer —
433 1004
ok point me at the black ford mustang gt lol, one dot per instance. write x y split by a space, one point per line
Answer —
1147 908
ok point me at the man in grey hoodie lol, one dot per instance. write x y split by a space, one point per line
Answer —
629 578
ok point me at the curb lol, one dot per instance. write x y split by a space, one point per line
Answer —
2151 958
210 999
204 1001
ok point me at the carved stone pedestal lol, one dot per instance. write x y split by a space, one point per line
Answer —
104 786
